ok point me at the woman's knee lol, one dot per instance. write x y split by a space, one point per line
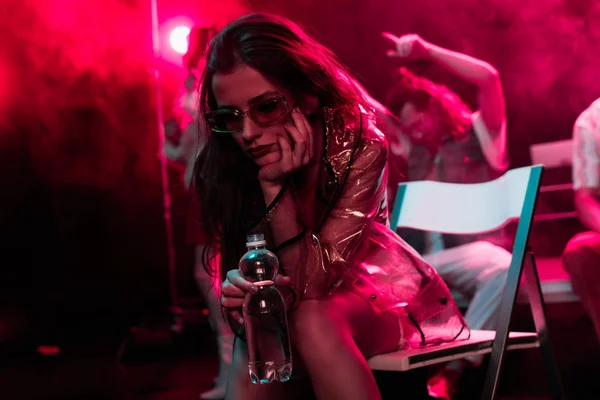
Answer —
496 255
582 242
582 252
497 262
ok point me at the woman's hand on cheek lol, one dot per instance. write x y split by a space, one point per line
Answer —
296 152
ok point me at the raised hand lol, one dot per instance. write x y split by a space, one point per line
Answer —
410 46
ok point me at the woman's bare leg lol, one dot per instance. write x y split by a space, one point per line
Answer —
334 336
239 386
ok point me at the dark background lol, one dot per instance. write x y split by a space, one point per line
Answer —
82 227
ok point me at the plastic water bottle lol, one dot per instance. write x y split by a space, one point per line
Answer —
269 351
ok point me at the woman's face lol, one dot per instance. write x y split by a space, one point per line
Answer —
253 111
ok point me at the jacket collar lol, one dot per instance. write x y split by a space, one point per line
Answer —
342 134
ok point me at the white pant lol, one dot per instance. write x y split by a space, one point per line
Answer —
477 271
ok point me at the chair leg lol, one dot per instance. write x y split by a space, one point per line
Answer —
538 309
513 281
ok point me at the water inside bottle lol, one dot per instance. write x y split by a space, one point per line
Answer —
269 352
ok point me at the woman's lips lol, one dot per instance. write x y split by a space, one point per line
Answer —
259 151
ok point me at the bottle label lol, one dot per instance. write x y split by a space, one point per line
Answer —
263 283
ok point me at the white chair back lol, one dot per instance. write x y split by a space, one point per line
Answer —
462 208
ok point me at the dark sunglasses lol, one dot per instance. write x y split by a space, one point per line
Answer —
263 114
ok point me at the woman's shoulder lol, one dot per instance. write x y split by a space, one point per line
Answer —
372 146
372 138
354 140
363 123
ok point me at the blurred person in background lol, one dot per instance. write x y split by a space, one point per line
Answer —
445 141
581 257
185 137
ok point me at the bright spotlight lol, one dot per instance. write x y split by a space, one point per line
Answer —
179 39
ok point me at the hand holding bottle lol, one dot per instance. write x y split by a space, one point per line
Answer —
235 287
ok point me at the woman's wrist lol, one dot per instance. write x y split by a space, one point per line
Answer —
270 190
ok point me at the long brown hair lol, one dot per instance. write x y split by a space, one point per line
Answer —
225 179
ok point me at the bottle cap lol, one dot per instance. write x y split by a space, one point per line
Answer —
256 239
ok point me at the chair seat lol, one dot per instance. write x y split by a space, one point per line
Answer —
480 342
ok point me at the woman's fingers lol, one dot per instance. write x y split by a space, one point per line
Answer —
310 135
237 316
232 298
300 135
234 289
287 156
237 280
231 302
228 289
